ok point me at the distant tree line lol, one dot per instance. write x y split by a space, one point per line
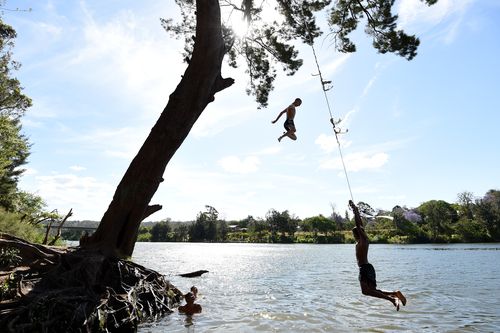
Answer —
436 221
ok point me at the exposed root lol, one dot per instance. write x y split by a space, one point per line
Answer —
72 290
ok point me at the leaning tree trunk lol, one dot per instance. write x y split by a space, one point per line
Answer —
117 232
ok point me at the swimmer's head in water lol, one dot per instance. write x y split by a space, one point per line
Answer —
189 297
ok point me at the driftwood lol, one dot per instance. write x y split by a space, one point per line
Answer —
193 274
72 290
59 229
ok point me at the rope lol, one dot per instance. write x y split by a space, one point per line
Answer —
324 85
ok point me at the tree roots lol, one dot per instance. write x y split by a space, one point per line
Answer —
72 290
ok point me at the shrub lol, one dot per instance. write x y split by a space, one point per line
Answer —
9 257
10 223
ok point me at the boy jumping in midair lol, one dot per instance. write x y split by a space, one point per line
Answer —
290 115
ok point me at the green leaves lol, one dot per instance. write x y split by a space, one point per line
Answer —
14 150
488 212
268 45
380 25
14 146
13 103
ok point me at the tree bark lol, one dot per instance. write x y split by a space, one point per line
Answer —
117 232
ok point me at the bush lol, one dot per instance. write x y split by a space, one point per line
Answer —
8 288
336 238
10 223
144 237
470 231
398 239
305 237
238 236
9 257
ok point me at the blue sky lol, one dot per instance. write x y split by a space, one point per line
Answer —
100 73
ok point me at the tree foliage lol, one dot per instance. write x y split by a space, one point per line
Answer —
439 216
14 150
208 227
160 232
488 213
10 224
270 44
14 146
282 223
13 103
465 201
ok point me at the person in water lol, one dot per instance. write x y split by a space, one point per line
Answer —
190 307
289 124
367 277
194 290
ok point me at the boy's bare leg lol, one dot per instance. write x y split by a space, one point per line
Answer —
398 294
289 134
380 294
401 297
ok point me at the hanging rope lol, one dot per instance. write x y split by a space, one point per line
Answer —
325 85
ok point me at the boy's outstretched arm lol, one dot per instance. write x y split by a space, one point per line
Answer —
279 116
357 217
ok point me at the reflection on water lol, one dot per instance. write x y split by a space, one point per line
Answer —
314 288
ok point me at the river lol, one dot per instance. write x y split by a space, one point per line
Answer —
314 288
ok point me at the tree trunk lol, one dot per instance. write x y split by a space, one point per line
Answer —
117 232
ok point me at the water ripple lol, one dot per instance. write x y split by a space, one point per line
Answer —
314 288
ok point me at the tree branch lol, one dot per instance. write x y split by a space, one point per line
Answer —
150 210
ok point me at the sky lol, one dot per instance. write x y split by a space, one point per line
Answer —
101 72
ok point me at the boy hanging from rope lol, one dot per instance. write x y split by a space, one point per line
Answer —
367 278
289 124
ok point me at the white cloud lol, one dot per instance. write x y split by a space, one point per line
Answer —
231 108
126 155
414 14
327 143
345 122
234 195
42 109
218 117
49 29
368 86
273 150
335 65
452 31
29 171
127 55
234 164
28 123
86 195
118 44
77 168
357 162
120 142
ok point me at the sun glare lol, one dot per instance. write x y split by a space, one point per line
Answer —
240 27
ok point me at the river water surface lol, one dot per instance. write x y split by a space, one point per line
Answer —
314 288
